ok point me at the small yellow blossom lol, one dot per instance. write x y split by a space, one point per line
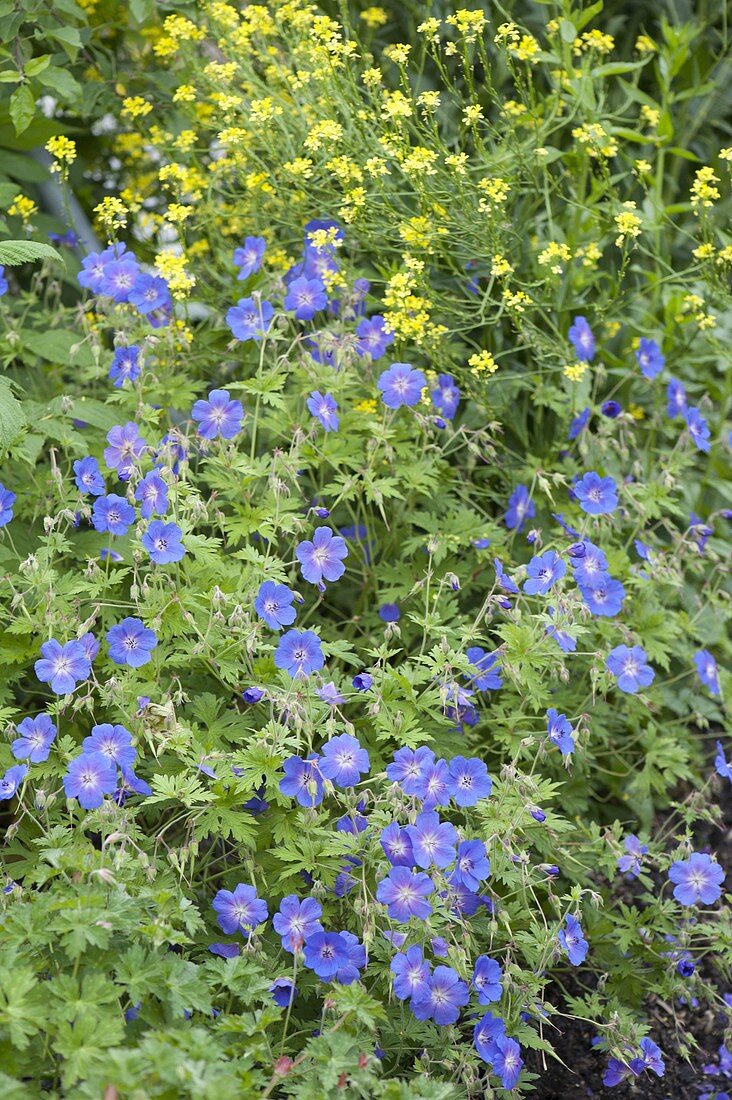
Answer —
430 27
589 254
725 154
398 53
494 190
430 101
612 328
703 191
512 109
642 167
374 17
500 267
594 40
650 115
322 133
526 49
22 207
111 212
395 105
644 44
64 151
301 167
636 412
177 213
555 256
367 407
372 77
516 300
458 162
482 362
472 113
704 251
184 93
628 224
469 23
507 32
135 107
575 371
172 267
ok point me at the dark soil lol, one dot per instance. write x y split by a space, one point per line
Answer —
682 1080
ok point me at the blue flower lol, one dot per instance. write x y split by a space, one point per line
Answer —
721 765
433 786
389 613
303 780
344 760
676 399
250 320
94 267
698 879
520 508
433 841
397 845
218 415
649 358
88 476
486 1033
36 737
297 920
611 409
507 1061
125 366
572 941
326 953
114 742
373 339
113 514
362 681
488 677
283 992
12 779
401 385
7 500
325 409
597 495
472 866
299 653
630 864
274 604
239 910
560 732
131 642
605 597
698 429
409 768
3 282
404 892
163 542
322 559
543 572
248 258
306 297
486 980
502 579
126 445
62 666
588 564
120 276
629 665
89 777
582 339
152 493
706 668
445 995
579 423
349 973
411 973
446 397
150 293
469 780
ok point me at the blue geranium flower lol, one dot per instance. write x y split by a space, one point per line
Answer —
131 642
433 841
488 677
150 293
397 846
559 731
605 597
706 668
120 276
239 910
698 429
299 653
297 920
89 777
469 781
274 604
579 423
126 446
582 339
630 863
697 879
112 514
543 571
36 737
163 542
597 495
125 366
250 319
112 741
325 409
344 760
306 297
248 258
372 337
218 415
326 953
445 995
472 865
411 973
649 357
409 768
12 779
520 508
629 665
573 941
446 397
62 666
88 476
322 558
486 980
400 385
303 780
676 399
152 494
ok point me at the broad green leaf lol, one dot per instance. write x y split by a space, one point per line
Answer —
22 108
13 253
12 417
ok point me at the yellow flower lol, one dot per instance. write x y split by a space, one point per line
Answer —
398 53
575 371
496 191
322 133
507 32
642 167
111 212
372 77
644 44
374 17
469 23
703 191
636 412
264 110
554 256
64 150
472 114
725 154
612 328
650 115
185 93
430 27
420 162
22 207
172 267
430 101
367 407
177 213
526 49
135 107
395 105
594 40
482 362
302 167
704 251
500 266
516 299
458 162
628 224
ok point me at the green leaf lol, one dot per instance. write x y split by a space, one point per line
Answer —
22 108
13 253
12 417
62 82
36 65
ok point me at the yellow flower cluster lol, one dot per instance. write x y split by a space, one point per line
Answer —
517 300
555 256
482 362
703 191
468 23
112 213
327 132
22 207
374 17
628 224
526 49
176 29
64 151
595 140
575 372
500 267
135 107
172 267
406 314
594 40
494 192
